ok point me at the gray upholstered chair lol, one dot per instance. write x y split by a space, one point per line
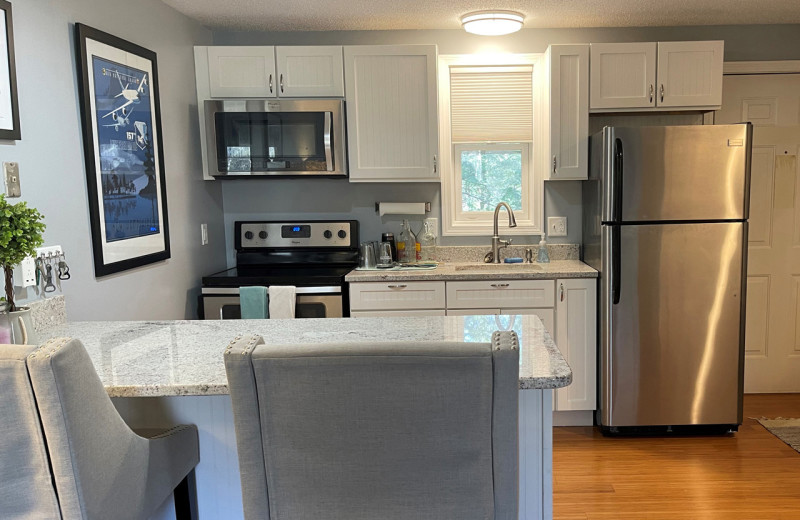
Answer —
391 431
98 467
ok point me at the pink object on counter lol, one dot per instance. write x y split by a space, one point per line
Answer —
5 335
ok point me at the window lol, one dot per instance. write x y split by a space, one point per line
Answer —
487 127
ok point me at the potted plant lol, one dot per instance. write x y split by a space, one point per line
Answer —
21 231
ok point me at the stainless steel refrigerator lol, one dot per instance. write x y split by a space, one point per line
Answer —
665 223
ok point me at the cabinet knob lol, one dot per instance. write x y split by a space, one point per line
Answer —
662 92
499 285
281 82
555 163
562 292
270 83
434 164
398 286
651 92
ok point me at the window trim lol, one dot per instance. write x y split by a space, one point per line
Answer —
481 216
452 225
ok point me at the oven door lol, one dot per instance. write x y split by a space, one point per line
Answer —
222 303
276 137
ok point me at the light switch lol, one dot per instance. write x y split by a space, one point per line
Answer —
556 226
11 170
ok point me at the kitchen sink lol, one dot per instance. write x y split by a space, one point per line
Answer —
498 267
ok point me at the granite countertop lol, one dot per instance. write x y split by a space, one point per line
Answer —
475 271
168 358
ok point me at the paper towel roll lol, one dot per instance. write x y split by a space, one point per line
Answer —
401 208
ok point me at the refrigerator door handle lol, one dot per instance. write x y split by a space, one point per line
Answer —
618 165
616 260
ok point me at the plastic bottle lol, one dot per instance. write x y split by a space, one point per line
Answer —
542 256
427 245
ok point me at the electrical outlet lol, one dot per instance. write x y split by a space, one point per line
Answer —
556 226
12 179
25 273
203 234
433 225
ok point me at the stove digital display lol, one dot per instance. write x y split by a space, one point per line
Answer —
296 231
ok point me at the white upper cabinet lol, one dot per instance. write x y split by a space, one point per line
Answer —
568 133
241 72
391 101
627 77
310 71
690 73
623 75
265 72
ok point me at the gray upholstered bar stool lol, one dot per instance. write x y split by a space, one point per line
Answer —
390 431
100 467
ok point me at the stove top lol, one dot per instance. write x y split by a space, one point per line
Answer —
300 276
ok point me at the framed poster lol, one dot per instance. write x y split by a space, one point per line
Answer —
118 90
9 105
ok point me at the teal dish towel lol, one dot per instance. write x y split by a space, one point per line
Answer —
254 303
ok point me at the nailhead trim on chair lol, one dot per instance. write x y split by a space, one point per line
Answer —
249 346
52 344
505 339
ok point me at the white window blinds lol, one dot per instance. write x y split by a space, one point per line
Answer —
491 104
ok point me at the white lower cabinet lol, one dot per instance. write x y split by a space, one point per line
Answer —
576 333
567 307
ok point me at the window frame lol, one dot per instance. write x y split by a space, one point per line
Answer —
454 223
479 216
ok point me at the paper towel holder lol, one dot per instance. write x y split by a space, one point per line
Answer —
427 207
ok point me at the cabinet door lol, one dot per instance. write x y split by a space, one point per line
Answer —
241 71
391 112
569 111
310 71
473 312
389 314
623 75
576 326
499 293
382 296
690 74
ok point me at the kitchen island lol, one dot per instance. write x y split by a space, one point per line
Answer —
165 372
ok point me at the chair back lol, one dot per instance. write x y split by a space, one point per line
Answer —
26 484
364 431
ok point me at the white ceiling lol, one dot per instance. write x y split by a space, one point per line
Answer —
342 15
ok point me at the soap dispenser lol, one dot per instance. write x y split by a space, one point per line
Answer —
541 256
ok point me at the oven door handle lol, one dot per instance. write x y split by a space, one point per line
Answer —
327 140
333 289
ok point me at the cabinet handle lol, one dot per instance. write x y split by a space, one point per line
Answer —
281 82
555 163
662 92
270 83
399 286
500 285
651 92
562 292
434 164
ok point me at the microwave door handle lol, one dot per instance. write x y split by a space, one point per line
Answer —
327 140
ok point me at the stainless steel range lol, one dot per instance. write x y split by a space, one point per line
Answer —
312 255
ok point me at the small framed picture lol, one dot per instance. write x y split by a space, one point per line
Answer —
118 90
9 105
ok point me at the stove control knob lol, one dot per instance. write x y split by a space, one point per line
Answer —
342 233
327 233
262 235
248 235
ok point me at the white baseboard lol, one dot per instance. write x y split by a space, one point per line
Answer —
573 418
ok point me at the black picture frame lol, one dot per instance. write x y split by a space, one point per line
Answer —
9 103
123 150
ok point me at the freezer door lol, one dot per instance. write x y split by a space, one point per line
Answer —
676 173
672 345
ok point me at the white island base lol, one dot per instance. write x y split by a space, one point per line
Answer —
219 492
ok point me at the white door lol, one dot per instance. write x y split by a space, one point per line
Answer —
235 71
772 338
391 98
689 74
310 71
623 75
576 338
569 112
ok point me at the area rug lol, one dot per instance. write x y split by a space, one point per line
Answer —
787 430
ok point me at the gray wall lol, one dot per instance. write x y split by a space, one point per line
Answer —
51 159
337 199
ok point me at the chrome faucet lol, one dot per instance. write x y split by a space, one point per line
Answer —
498 243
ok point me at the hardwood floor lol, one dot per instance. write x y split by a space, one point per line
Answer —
748 475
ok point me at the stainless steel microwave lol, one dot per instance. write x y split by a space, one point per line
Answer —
276 137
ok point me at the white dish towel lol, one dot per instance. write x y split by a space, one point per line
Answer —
281 301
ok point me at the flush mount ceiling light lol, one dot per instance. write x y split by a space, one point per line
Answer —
492 23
